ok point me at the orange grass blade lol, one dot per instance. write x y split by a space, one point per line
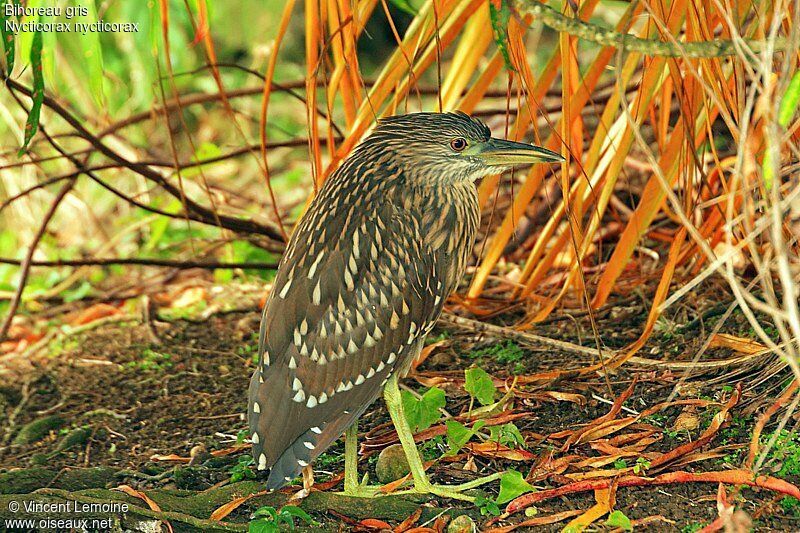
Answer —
526 192
268 77
472 45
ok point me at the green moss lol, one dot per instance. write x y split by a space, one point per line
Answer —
151 361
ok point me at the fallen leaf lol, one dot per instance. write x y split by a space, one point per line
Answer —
737 344
374 523
538 521
130 491
605 502
495 450
226 509
189 297
95 312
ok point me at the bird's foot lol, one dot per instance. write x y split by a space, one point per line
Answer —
361 490
454 492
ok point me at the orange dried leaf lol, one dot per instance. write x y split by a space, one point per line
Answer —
95 312
737 344
226 509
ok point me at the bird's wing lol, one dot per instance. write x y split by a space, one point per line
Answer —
350 303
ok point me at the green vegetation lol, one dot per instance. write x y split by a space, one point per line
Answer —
152 361
785 453
641 466
242 469
479 385
269 520
620 520
487 506
423 412
508 435
512 485
505 353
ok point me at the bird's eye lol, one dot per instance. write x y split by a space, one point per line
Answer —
458 144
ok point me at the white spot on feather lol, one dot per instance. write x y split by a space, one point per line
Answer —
285 289
316 297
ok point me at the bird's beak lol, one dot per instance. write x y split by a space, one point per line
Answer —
503 153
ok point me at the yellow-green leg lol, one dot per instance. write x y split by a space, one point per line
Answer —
422 484
352 487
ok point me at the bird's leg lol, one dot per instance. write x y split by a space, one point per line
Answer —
422 484
352 487
308 482
351 459
308 478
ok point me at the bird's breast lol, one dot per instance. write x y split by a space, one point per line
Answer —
449 220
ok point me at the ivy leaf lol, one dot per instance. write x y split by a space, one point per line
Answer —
618 519
790 101
507 435
479 385
499 13
487 506
32 125
424 412
458 435
512 484
262 526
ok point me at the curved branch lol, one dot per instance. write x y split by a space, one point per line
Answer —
631 43
143 261
27 262
195 211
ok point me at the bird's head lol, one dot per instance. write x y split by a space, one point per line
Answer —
448 146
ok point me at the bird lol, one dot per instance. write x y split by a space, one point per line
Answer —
362 281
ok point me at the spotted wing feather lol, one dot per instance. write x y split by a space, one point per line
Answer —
350 304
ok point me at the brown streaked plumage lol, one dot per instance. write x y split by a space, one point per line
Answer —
363 280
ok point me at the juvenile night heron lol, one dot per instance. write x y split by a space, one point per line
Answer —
363 281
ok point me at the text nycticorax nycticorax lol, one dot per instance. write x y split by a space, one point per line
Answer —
363 281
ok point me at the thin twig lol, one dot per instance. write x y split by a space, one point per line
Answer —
145 261
26 263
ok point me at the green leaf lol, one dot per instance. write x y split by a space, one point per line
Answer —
458 435
206 150
262 526
479 385
499 17
512 484
78 293
790 101
409 6
487 506
8 40
618 519
507 435
424 412
32 125
266 512
292 511
92 53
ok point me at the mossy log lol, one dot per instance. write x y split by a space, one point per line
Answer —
186 510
